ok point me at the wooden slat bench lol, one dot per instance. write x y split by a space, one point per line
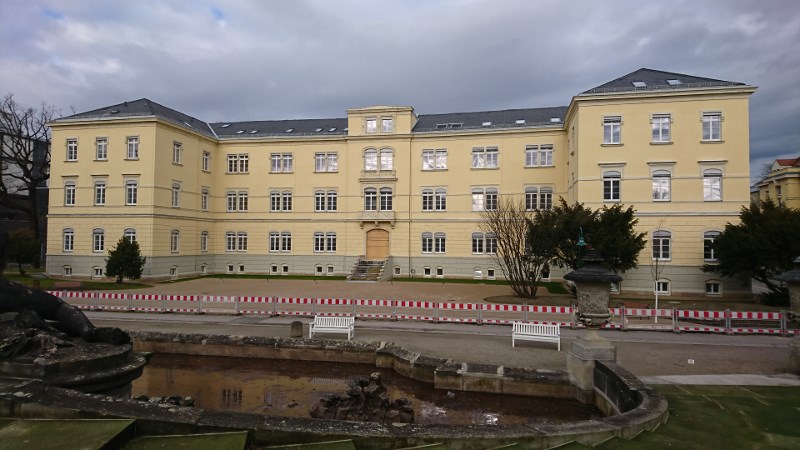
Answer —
535 332
322 324
67 286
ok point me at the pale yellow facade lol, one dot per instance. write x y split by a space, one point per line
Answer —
429 181
781 185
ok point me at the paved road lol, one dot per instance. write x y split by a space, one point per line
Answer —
657 357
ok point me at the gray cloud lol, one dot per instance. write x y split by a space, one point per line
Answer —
237 60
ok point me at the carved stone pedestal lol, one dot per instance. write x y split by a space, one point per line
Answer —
580 362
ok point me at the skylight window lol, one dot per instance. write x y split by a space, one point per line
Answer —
456 125
187 124
226 125
674 82
486 124
253 131
240 132
555 120
520 122
346 129
332 130
318 129
639 84
289 130
448 126
441 126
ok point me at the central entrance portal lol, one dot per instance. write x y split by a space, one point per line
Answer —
377 244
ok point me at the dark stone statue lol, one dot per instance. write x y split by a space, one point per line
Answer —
38 310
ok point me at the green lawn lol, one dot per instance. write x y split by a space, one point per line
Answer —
729 417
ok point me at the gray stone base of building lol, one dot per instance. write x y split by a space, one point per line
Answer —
794 355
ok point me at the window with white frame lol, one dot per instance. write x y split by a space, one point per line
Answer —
176 195
370 159
434 199
386 199
538 198
712 185
173 272
129 234
662 287
485 157
98 240
545 198
281 163
325 242
709 254
241 241
131 192
439 242
69 194
204 200
612 129
484 243
205 163
372 125
239 163
370 199
434 159
177 152
204 241
174 241
387 125
660 124
101 145
72 149
132 148
538 155
280 201
67 271
280 242
387 159
326 162
68 239
230 241
484 199
427 242
712 126
661 185
612 180
97 272
661 245
713 287
325 200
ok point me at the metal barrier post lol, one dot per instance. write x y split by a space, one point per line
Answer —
435 312
572 316
624 320
200 299
314 306
130 301
674 319
728 328
784 328
274 306
353 303
236 304
394 309
524 312
163 303
480 314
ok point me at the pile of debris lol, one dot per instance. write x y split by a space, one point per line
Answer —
366 400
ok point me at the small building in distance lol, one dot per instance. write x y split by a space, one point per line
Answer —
781 184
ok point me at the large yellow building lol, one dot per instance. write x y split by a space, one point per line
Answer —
384 183
781 185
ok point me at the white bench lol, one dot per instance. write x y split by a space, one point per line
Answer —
332 325
535 332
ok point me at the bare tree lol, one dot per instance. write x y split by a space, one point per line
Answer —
517 252
24 157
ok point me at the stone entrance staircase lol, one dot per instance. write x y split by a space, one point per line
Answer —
367 270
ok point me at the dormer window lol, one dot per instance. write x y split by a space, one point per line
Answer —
639 84
674 82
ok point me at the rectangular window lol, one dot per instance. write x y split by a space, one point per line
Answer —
325 242
713 288
485 157
231 201
281 163
538 156
386 199
241 242
69 194
545 198
484 199
237 201
387 125
427 242
439 241
133 148
131 192
204 241
177 152
712 126
372 125
230 241
319 243
612 129
239 163
280 201
661 245
206 162
661 186
72 149
477 243
176 195
611 186
434 159
204 200
712 186
100 193
370 199
102 149
709 254
243 201
326 162
69 240
662 287
174 240
98 241
661 127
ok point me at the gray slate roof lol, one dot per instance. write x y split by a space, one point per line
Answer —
657 80
299 127
497 119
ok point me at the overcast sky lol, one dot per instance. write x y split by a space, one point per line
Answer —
256 60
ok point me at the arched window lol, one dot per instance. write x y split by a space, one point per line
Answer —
531 198
387 159
174 241
370 199
661 185
69 239
129 234
176 195
69 194
131 192
370 159
439 240
386 199
98 240
440 200
709 254
427 242
662 245
204 241
477 243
